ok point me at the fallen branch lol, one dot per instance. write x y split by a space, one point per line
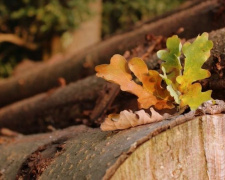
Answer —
14 39
57 108
79 65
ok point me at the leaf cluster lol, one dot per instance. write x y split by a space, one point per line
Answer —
182 88
181 81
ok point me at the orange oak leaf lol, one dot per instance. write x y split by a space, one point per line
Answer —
150 79
151 93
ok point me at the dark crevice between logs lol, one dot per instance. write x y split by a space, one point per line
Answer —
38 161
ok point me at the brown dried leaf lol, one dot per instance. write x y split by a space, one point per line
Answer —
127 119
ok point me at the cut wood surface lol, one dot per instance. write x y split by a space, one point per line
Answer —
65 105
183 147
194 20
194 150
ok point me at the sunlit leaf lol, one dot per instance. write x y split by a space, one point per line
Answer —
181 85
150 79
196 54
171 57
119 72
174 93
194 97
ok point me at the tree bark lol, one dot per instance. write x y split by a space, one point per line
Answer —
182 147
57 108
194 20
70 105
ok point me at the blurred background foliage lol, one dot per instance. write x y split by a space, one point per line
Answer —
123 14
37 22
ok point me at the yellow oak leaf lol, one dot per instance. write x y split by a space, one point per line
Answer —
196 54
194 96
180 81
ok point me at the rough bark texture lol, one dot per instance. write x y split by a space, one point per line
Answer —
66 105
165 150
194 20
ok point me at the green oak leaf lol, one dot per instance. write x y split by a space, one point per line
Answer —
195 56
171 57
194 97
169 87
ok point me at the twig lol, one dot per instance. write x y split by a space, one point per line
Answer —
12 38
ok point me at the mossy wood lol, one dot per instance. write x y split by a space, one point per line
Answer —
180 148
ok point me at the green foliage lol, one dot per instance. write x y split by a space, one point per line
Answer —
182 86
123 14
36 22
172 61
40 18
196 54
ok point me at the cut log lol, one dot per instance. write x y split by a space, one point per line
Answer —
193 150
194 20
57 108
183 147
64 106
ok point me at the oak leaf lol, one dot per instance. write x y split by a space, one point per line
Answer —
150 94
171 57
181 89
195 56
127 119
182 85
